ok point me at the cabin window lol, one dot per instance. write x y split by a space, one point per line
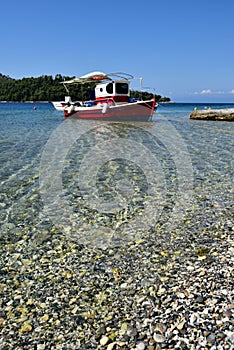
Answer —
109 88
121 88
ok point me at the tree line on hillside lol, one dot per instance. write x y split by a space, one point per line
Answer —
49 88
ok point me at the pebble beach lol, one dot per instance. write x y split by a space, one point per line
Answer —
167 287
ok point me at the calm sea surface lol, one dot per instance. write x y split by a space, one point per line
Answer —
185 160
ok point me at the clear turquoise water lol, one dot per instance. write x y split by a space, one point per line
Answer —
202 151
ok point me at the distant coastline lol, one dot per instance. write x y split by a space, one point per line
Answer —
25 102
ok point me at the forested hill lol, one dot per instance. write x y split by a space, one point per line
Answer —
48 88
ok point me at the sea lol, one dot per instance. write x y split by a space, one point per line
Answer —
117 179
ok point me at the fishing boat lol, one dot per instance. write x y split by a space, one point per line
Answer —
110 99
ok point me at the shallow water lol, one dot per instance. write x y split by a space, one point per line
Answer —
112 177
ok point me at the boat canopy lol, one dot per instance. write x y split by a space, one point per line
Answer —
97 76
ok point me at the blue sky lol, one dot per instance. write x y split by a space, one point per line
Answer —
183 49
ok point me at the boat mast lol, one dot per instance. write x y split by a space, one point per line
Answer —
141 86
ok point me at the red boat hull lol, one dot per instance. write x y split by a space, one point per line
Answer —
136 111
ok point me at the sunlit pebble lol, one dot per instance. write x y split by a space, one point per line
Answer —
140 346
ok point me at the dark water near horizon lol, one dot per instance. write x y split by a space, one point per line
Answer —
190 158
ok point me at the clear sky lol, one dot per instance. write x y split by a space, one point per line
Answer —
184 49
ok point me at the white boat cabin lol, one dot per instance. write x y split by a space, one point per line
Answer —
118 90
